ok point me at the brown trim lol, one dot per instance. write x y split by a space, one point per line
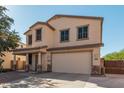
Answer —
30 37
43 23
91 61
82 38
66 41
50 26
24 49
51 61
68 35
83 25
36 35
76 47
38 40
27 31
101 29
64 29
72 51
74 16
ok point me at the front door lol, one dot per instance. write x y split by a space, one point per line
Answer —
30 61
36 62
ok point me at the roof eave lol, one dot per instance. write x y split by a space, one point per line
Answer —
88 17
44 23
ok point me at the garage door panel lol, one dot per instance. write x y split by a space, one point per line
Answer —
77 62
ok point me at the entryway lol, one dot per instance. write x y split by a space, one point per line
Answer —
36 62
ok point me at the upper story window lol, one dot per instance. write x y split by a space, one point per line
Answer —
29 39
38 34
21 46
64 35
83 32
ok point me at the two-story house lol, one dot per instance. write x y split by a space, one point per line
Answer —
65 43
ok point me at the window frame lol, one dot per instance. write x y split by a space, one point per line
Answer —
30 42
36 34
87 32
21 46
68 35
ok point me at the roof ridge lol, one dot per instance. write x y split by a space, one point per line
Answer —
77 16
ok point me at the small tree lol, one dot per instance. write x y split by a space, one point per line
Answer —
8 38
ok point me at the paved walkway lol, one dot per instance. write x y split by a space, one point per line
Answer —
58 80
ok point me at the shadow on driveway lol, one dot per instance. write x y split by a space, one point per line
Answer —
62 80
12 76
64 76
43 80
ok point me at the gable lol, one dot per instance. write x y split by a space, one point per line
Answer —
69 22
73 23
73 16
38 25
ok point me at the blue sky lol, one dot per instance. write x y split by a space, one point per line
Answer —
113 31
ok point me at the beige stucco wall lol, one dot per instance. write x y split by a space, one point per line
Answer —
7 59
9 56
44 62
96 56
72 24
47 36
95 53
46 58
21 45
52 38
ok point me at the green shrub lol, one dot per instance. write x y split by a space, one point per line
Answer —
115 56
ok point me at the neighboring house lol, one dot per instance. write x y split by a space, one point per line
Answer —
8 59
65 43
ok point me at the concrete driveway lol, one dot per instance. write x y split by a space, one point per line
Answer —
59 80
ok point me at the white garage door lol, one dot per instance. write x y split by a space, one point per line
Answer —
76 62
